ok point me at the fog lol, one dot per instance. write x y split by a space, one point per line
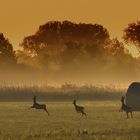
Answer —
62 52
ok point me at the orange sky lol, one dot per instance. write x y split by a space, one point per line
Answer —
20 18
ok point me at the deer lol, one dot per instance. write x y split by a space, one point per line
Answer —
39 106
122 101
79 109
126 108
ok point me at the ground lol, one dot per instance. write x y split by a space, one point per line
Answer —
103 122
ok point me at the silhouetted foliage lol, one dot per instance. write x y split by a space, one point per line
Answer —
65 51
62 32
119 57
132 34
7 54
80 51
10 69
56 43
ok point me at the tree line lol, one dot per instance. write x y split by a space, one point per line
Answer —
74 50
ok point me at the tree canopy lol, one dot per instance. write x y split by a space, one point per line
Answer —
60 42
56 32
132 34
7 54
72 50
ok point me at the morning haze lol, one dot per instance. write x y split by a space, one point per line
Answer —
69 69
98 52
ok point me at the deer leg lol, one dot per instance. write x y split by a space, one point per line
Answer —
47 111
127 115
131 114
31 107
85 114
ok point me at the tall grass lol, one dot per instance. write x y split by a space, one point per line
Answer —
65 92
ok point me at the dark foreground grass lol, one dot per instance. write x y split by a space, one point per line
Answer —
104 122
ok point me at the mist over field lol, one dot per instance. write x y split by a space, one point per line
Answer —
69 70
65 51
61 64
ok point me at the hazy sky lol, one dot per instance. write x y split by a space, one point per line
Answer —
20 18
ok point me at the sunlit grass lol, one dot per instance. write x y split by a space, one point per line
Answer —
104 121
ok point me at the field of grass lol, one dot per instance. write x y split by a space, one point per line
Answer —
104 122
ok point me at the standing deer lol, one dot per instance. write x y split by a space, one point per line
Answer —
126 108
79 109
122 101
39 106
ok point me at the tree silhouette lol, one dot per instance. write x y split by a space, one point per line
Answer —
60 42
78 51
7 54
132 34
62 32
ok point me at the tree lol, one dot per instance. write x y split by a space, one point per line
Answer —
7 54
79 51
132 34
60 42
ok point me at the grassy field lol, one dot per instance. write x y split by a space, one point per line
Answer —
104 122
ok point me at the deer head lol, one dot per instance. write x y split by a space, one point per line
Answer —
74 101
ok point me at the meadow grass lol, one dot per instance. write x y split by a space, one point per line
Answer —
66 92
104 122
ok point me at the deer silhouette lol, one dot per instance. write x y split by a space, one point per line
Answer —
126 108
79 109
38 106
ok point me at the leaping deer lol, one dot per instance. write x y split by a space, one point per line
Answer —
39 106
79 109
126 108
